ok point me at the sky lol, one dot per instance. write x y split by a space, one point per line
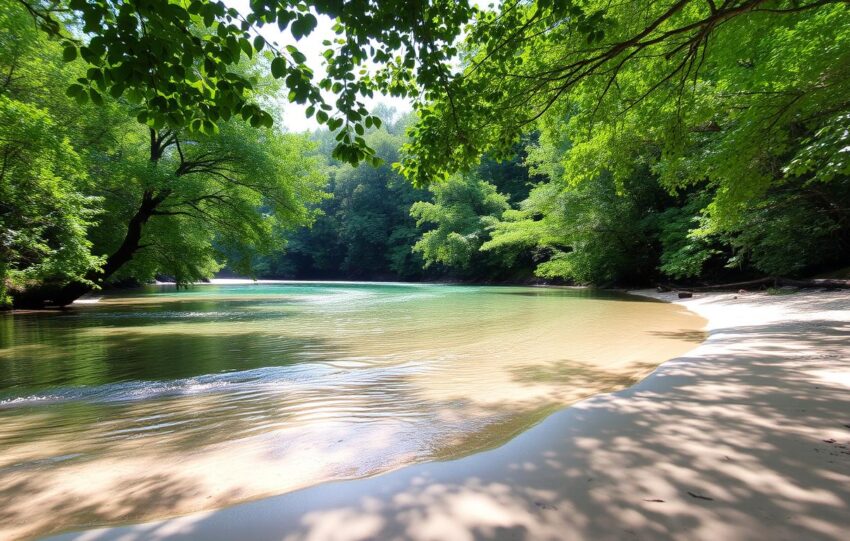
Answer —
294 115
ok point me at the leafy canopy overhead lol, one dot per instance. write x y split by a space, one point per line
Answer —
664 68
738 108
519 61
175 58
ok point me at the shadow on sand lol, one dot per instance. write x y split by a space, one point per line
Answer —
745 438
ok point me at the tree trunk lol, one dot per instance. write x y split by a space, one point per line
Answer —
132 240
51 295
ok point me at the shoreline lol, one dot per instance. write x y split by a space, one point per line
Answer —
398 379
747 436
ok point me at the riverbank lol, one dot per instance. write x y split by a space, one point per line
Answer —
169 402
745 437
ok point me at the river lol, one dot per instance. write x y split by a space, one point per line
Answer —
165 401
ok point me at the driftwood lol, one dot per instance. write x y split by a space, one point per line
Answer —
699 496
771 281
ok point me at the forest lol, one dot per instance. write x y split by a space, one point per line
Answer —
568 142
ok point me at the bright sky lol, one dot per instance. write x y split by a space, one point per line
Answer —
295 118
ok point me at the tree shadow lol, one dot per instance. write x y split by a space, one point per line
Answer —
141 497
695 337
71 358
745 438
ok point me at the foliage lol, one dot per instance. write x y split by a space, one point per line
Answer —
736 109
44 210
795 228
588 234
90 195
175 59
671 63
463 208
220 198
363 230
685 252
595 142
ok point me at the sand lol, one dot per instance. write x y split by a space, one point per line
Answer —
746 437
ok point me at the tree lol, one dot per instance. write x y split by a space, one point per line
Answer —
175 58
463 209
594 232
531 61
44 210
364 230
732 108
189 201
100 197
681 136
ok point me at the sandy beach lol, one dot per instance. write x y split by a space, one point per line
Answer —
746 437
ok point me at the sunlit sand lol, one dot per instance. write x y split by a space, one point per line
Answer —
745 437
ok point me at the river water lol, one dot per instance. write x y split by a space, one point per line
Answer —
163 402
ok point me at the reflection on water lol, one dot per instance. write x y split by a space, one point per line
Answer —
168 402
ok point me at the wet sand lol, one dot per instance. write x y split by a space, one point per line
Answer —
745 437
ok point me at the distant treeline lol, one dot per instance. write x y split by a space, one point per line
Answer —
524 219
584 143
375 225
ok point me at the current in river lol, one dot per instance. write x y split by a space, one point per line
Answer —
165 401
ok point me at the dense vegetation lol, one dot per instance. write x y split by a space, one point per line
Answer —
377 226
88 194
584 141
682 136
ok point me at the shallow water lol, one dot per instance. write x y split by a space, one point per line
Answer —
166 401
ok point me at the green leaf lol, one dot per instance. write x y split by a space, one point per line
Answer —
296 54
246 47
69 53
95 96
278 67
303 25
116 90
74 90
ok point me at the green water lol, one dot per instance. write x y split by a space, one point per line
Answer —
241 390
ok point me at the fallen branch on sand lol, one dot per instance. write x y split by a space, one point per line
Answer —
771 281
